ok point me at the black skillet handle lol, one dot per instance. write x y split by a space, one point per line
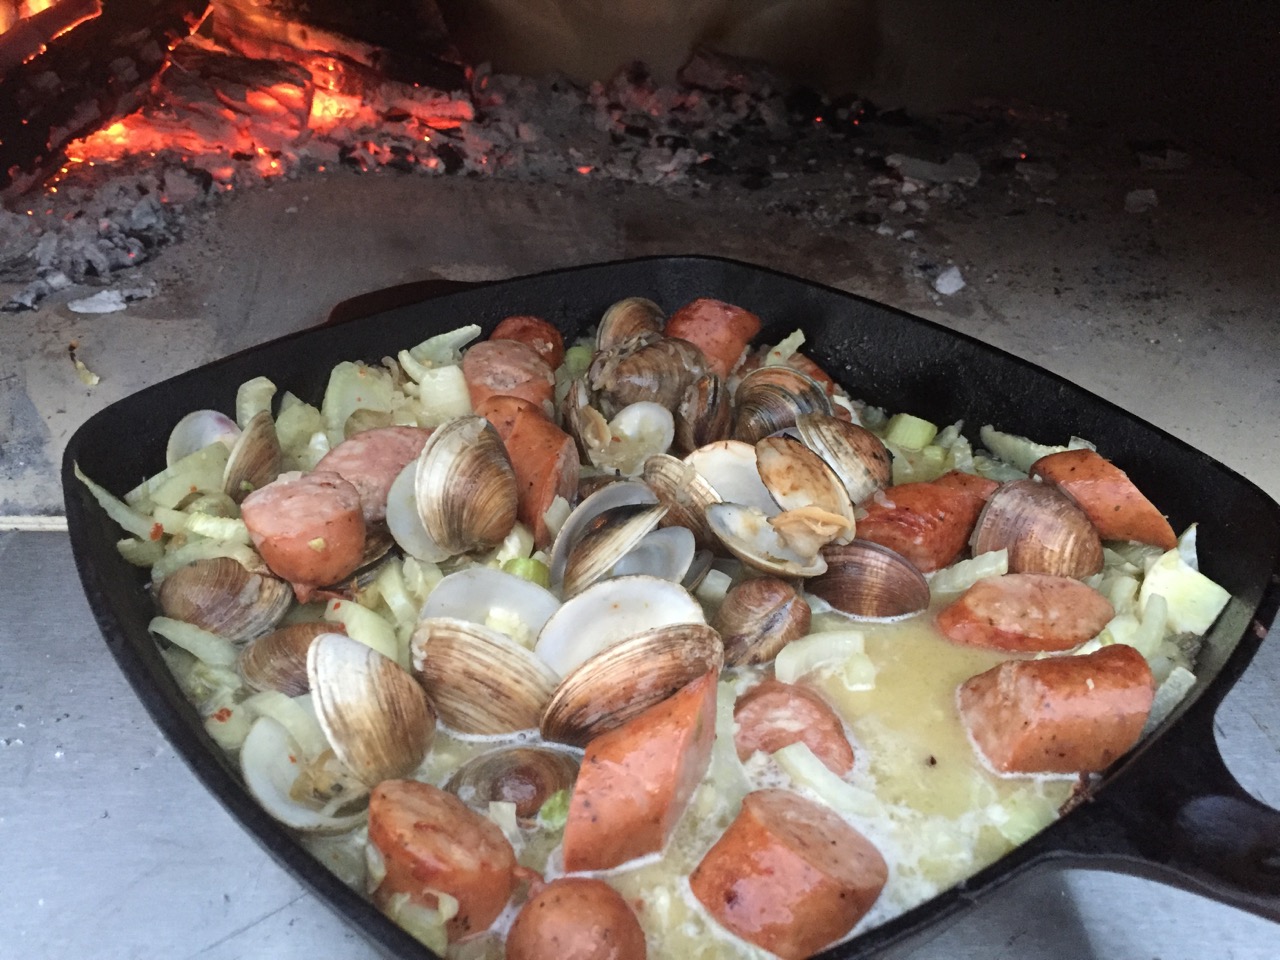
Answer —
1178 816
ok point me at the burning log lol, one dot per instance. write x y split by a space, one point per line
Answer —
98 69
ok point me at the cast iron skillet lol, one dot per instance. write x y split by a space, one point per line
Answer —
1169 811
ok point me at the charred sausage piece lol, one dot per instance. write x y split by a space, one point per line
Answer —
371 460
308 528
928 523
636 780
1108 497
1061 714
507 368
1026 611
533 332
431 841
720 330
576 918
543 456
789 875
773 715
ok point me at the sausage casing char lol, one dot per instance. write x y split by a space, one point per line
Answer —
789 875
1068 714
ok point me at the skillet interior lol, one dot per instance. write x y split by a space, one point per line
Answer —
880 354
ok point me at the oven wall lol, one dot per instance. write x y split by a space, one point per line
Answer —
1202 72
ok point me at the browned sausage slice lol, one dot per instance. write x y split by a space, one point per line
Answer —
969 482
543 456
928 523
533 332
772 715
1026 611
636 780
371 460
308 528
1060 714
431 841
507 368
1108 497
789 875
576 918
720 330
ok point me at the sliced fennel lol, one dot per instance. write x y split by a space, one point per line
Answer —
839 652
963 574
1194 600
806 770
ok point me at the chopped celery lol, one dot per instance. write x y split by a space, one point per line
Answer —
535 571
444 348
554 812
783 352
576 360
909 432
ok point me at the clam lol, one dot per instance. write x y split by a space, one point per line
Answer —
485 595
255 459
608 612
525 776
652 368
859 458
758 617
627 319
1043 530
606 541
637 432
667 552
729 467
585 516
464 486
223 597
796 477
778 545
685 494
868 581
196 431
404 523
375 716
627 678
769 399
481 681
704 414
278 660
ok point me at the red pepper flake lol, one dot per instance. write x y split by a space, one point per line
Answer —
337 604
292 758
157 531
223 715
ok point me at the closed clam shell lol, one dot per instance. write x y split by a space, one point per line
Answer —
629 318
375 716
685 494
606 541
769 399
859 458
704 414
223 597
797 477
627 678
255 459
759 617
481 681
525 776
864 579
1043 530
278 660
465 486
657 369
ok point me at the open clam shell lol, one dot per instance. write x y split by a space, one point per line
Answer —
797 477
868 581
667 552
749 536
375 716
255 459
758 617
197 430
769 399
613 494
1043 530
465 486
278 660
525 776
859 458
608 539
481 681
628 678
608 612
686 495
477 593
223 597
729 468
405 523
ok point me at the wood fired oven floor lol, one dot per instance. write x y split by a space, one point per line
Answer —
1169 312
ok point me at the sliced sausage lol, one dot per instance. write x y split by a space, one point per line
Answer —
308 528
371 460
789 875
1108 497
928 523
507 368
636 780
576 918
533 332
772 715
1026 611
720 330
980 487
1061 714
431 841
543 456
